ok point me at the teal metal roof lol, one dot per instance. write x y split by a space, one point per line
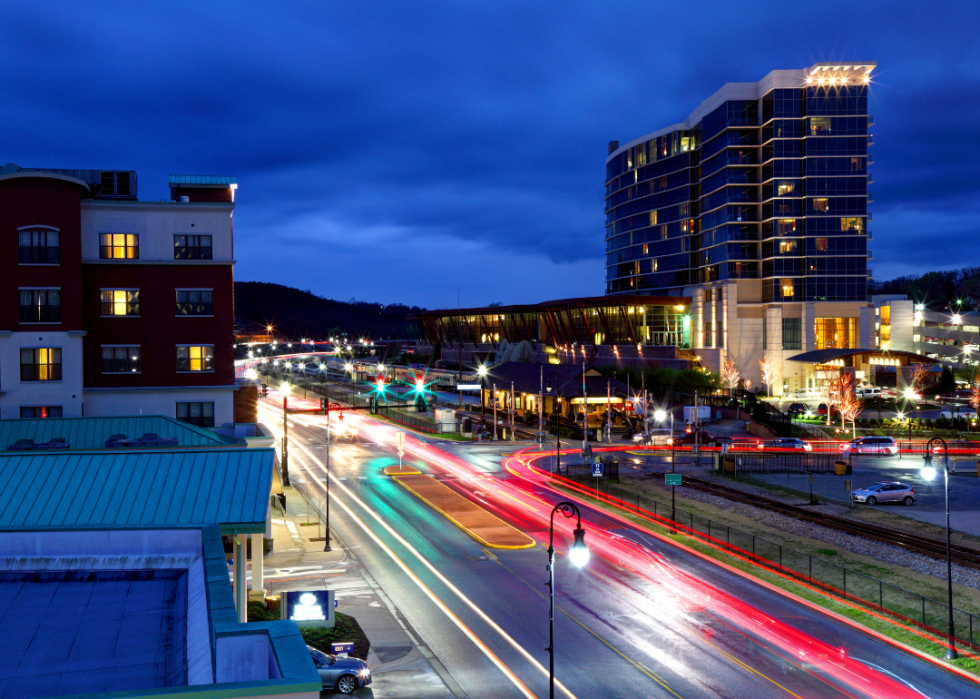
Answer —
92 432
211 180
141 489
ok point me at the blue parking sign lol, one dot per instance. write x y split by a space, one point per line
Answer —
597 469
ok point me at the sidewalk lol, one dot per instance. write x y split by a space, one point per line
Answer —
402 666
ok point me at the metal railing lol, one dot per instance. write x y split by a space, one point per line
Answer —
806 462
905 605
610 471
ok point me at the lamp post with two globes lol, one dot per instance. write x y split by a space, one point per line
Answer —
928 473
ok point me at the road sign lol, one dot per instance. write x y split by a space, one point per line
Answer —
467 387
673 479
597 469
342 649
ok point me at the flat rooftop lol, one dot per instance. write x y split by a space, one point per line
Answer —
81 632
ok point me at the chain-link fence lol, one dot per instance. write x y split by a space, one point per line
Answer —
867 590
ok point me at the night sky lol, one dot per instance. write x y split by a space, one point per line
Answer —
392 151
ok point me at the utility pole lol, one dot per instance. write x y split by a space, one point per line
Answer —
494 412
541 411
609 411
697 435
512 411
459 354
585 409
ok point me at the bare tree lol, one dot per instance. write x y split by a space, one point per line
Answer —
919 376
850 404
730 375
830 391
770 371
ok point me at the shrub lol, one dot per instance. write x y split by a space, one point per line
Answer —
345 629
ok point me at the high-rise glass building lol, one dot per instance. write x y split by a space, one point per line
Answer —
755 207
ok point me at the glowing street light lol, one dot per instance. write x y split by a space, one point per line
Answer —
928 473
579 556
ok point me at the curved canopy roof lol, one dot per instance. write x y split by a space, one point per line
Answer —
822 356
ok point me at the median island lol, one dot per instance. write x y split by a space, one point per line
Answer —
483 526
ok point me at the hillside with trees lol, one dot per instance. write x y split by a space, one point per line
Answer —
295 313
938 290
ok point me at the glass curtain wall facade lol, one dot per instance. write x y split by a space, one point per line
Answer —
773 188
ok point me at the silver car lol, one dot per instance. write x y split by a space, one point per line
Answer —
346 675
870 445
657 436
887 491
959 412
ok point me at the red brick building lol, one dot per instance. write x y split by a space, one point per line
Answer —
114 306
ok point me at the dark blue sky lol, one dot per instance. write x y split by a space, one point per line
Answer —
390 151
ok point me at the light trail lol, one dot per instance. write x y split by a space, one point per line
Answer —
820 659
676 584
508 673
466 600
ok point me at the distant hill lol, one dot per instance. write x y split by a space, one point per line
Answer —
938 290
295 313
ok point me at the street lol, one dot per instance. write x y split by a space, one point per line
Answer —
643 619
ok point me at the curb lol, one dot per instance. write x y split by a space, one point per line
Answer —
461 526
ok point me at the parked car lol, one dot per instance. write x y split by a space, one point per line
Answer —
868 392
657 436
688 438
785 443
959 394
959 445
886 491
796 409
822 410
958 412
345 675
871 445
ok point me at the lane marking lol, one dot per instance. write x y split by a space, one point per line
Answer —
428 593
445 581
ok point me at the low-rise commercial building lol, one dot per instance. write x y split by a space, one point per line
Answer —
600 329
115 580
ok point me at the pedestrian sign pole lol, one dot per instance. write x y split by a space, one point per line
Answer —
400 441
597 474
672 479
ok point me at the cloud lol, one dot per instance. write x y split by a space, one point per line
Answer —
476 128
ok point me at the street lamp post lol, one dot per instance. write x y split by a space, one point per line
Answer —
557 424
482 371
928 473
285 435
326 502
579 556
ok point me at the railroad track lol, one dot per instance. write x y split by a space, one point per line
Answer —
935 548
